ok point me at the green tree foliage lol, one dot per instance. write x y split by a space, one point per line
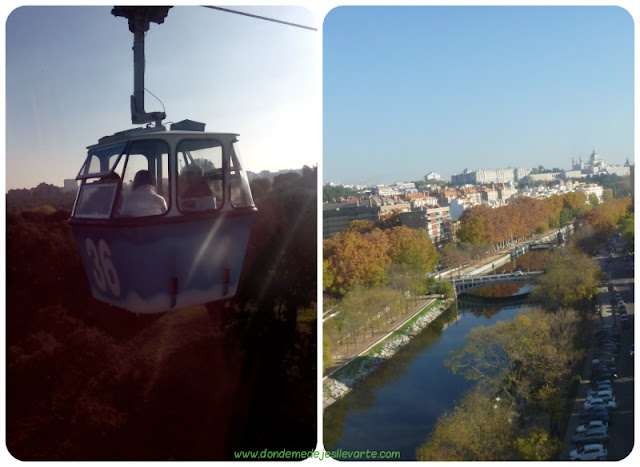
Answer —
260 187
570 280
472 229
327 276
332 193
528 364
327 356
620 186
363 311
445 288
524 357
627 229
537 446
280 268
44 194
412 247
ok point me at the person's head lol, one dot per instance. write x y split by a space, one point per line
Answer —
193 171
112 177
143 177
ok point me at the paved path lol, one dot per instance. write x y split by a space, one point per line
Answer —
373 342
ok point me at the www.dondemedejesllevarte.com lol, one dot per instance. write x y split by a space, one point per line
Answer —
338 454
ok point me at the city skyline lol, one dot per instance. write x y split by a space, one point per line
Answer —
441 89
562 167
69 75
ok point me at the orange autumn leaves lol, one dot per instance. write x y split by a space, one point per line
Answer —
360 255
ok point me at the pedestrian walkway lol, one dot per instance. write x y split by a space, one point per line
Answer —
344 353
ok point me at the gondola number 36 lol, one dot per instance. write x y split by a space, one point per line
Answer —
104 271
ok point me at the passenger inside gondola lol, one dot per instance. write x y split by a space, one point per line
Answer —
143 199
197 194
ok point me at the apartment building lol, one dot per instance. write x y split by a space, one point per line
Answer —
336 217
435 220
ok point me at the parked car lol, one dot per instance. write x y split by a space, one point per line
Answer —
591 412
611 338
595 435
588 452
592 424
598 382
609 344
598 415
600 373
599 388
608 335
624 322
611 335
606 396
604 367
609 347
589 404
603 359
604 375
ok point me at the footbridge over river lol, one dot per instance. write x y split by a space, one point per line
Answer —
462 283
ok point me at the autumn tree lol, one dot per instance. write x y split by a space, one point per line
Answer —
570 280
356 258
327 355
455 254
627 229
492 357
388 220
574 199
412 247
537 445
360 226
475 430
327 275
472 229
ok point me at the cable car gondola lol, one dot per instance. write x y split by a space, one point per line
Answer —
162 216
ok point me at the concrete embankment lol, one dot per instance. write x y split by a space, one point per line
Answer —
343 379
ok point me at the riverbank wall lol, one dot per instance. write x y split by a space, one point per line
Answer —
340 382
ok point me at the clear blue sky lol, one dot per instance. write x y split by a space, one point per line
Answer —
69 75
410 90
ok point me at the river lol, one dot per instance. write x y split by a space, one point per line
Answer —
396 407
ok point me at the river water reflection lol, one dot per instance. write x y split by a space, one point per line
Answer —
396 407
